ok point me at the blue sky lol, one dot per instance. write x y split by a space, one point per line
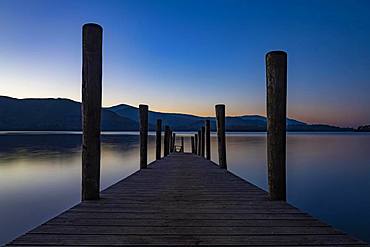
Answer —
187 56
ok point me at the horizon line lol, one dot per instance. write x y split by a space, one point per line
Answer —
168 112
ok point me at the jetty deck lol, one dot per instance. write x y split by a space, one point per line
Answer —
184 199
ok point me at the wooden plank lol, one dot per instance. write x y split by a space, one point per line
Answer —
184 199
184 222
194 204
181 230
190 216
246 240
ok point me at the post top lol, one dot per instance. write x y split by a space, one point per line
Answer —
276 53
219 106
92 25
143 106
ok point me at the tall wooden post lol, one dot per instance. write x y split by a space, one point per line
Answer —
196 144
220 117
192 144
208 139
143 115
92 35
203 140
199 142
276 82
158 140
166 144
182 144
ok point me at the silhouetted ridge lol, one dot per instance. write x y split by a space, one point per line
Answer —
65 114
53 114
187 122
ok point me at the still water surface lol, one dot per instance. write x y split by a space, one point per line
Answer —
328 174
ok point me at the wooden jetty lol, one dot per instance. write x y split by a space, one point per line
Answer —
183 198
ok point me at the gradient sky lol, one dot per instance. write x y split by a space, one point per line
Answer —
186 56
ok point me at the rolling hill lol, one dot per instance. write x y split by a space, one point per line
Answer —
53 114
65 114
187 122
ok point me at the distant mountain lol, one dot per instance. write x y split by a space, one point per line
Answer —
53 114
187 122
65 114
363 128
175 120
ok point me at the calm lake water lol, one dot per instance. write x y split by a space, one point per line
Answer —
328 174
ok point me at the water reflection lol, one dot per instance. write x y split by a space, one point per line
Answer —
40 175
328 174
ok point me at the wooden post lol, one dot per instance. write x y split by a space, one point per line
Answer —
170 141
203 140
92 35
276 83
158 140
192 144
196 144
220 116
208 139
166 144
199 143
173 142
182 144
143 114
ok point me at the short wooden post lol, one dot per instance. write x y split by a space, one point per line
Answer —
143 115
173 142
92 35
220 117
203 140
170 141
276 82
196 144
166 144
182 144
208 139
158 139
199 142
192 144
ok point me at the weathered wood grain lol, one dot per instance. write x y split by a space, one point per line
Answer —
143 120
196 144
221 139
208 139
158 139
166 143
203 143
92 35
190 239
192 144
199 142
276 84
